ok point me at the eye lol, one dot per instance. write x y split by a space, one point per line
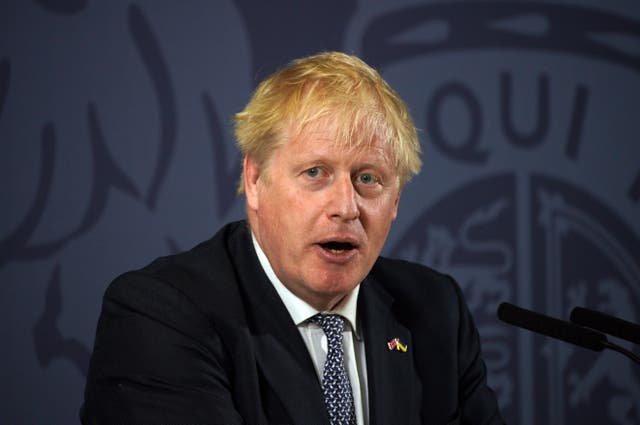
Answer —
367 178
313 172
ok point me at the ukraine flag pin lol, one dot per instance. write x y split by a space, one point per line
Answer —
396 345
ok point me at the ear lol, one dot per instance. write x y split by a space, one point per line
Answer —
394 213
251 174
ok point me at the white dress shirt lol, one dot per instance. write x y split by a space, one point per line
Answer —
316 340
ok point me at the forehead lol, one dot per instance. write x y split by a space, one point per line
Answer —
325 138
327 142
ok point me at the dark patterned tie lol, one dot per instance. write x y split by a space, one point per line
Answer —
335 381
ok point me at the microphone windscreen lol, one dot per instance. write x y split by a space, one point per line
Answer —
549 326
606 323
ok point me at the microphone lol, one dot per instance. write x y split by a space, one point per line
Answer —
549 326
605 323
559 329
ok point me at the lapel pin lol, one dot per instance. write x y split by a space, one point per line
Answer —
396 345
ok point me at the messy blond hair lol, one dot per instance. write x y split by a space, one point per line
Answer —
342 88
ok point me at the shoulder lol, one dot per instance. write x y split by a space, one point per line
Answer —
418 290
196 280
208 260
398 276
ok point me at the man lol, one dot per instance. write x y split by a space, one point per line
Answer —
292 317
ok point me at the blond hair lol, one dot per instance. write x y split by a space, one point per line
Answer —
342 88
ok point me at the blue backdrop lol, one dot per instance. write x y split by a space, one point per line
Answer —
116 147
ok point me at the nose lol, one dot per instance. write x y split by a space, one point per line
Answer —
343 199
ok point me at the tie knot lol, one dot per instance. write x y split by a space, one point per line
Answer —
331 324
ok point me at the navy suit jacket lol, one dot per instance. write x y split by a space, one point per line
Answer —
203 338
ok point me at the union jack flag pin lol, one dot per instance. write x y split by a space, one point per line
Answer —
396 345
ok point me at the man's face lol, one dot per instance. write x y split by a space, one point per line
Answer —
322 213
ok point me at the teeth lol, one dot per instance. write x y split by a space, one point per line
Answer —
336 251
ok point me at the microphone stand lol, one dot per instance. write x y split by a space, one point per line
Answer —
621 350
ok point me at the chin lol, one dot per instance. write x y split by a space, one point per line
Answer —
337 286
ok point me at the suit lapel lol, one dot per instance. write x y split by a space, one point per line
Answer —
394 389
280 352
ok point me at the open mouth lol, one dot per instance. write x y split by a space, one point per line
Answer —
337 247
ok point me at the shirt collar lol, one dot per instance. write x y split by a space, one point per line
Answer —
299 309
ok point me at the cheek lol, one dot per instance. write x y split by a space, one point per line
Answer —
381 211
376 219
287 213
